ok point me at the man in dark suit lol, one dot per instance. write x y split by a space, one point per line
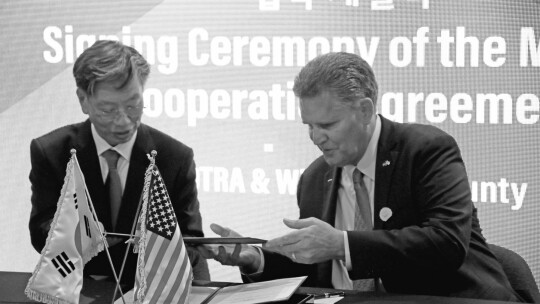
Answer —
110 80
387 202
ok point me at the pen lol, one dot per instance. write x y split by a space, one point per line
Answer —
308 299
328 295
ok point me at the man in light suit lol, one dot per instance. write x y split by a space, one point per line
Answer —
417 230
110 80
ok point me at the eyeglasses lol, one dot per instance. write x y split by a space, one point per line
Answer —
131 111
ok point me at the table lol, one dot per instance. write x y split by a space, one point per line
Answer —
12 285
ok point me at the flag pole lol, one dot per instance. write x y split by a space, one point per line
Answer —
118 234
129 242
152 159
74 153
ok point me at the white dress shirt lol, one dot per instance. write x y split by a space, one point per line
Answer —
124 149
346 205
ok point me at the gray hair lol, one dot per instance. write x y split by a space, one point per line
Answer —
108 60
347 75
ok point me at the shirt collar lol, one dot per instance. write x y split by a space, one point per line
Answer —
366 165
124 149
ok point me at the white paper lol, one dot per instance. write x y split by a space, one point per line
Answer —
330 300
197 295
251 293
267 291
128 296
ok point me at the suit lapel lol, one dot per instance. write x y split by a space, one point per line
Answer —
330 190
384 170
89 162
135 180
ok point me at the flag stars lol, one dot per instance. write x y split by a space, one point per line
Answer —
161 214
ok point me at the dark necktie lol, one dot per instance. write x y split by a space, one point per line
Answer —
113 183
362 221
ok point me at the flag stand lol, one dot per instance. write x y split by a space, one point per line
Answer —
152 159
117 234
129 242
74 153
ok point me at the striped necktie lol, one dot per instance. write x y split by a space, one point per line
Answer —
362 221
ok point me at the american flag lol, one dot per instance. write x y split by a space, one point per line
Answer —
164 272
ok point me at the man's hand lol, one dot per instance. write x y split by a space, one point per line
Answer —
314 241
244 256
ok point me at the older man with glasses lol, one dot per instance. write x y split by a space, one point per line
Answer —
111 148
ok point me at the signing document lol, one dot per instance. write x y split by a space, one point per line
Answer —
250 293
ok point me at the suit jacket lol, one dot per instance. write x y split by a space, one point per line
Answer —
49 156
432 242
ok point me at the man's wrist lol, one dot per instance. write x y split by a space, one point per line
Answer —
254 262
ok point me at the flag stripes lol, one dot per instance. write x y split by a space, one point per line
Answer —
181 297
166 261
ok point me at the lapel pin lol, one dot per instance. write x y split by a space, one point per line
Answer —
386 163
329 180
385 214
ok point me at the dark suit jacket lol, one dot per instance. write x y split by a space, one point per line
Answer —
49 156
432 244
